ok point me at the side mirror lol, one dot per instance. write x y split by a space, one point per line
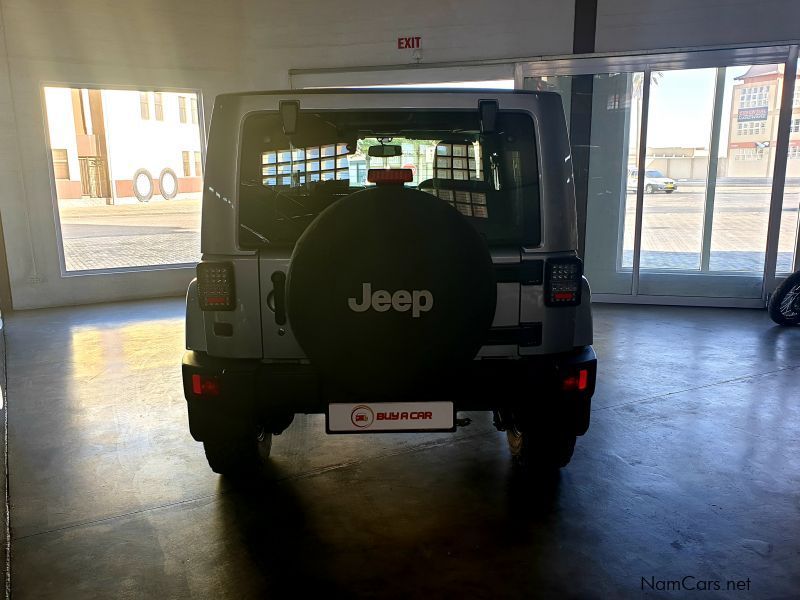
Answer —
385 151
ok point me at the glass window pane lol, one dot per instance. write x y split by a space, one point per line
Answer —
750 108
787 241
127 196
676 167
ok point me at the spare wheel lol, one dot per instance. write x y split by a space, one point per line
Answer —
389 291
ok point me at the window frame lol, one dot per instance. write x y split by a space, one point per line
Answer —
105 284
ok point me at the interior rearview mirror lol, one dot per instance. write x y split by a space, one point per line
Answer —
385 151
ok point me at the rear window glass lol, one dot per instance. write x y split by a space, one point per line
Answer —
491 179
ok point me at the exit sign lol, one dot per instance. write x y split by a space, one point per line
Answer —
408 43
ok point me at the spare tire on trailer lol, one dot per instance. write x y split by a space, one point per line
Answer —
389 291
168 184
142 177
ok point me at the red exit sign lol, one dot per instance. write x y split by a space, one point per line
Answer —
408 43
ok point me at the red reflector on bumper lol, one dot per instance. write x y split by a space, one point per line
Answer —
576 382
204 385
583 379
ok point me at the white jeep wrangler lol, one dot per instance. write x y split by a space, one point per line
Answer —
387 259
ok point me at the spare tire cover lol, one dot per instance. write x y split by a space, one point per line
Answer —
388 290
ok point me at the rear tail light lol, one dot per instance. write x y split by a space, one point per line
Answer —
215 286
563 281
577 381
205 385
389 176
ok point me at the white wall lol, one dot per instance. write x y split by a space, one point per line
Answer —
625 25
62 126
318 34
146 44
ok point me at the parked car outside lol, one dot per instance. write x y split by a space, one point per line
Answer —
654 181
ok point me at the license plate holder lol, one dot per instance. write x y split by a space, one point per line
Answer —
390 417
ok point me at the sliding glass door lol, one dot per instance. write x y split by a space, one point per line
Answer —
683 205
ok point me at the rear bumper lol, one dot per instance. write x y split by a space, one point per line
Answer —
249 390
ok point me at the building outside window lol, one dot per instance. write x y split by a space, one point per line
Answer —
754 114
182 109
60 164
144 106
198 165
193 103
158 103
794 152
187 167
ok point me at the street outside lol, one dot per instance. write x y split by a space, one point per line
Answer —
672 229
168 232
131 235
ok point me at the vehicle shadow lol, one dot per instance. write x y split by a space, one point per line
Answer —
532 498
269 547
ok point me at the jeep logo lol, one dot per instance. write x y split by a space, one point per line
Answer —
417 301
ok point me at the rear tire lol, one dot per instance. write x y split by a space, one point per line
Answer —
540 450
784 304
237 454
649 189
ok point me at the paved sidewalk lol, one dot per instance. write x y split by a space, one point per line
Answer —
113 252
135 235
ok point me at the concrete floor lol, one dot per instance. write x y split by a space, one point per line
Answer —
691 467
